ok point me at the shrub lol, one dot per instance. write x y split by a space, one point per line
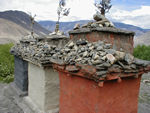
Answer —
6 63
142 52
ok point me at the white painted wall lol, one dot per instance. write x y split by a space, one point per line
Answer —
43 87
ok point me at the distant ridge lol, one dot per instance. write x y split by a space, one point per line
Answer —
67 26
16 24
22 19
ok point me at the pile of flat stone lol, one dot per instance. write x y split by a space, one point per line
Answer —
98 54
100 21
37 52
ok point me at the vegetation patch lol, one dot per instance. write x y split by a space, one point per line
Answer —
142 52
6 63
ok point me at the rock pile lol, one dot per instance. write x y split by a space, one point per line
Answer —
37 52
99 55
100 21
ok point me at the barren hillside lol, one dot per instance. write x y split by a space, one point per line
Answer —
10 31
16 24
143 39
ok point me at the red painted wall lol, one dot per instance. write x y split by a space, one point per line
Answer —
118 41
80 95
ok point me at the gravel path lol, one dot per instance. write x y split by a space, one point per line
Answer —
7 105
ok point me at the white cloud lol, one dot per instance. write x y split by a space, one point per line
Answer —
139 17
46 10
80 10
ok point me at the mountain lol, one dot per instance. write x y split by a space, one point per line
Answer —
10 31
16 24
67 26
139 31
64 26
143 39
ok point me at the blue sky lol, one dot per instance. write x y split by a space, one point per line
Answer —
135 12
130 4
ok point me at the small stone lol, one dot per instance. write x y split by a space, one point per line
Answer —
100 25
126 67
129 58
111 58
89 44
119 55
75 47
101 73
96 62
110 51
71 44
99 48
82 49
85 54
98 17
104 65
77 26
107 46
141 62
111 24
103 58
85 26
103 53
121 64
81 42
79 59
67 50
94 25
131 71
91 48
133 66
107 24
60 33
96 57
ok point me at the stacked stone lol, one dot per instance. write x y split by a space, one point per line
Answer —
37 52
100 21
99 55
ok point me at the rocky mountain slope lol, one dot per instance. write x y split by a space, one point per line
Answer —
15 24
10 31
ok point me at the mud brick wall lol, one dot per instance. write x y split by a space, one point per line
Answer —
21 73
119 40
